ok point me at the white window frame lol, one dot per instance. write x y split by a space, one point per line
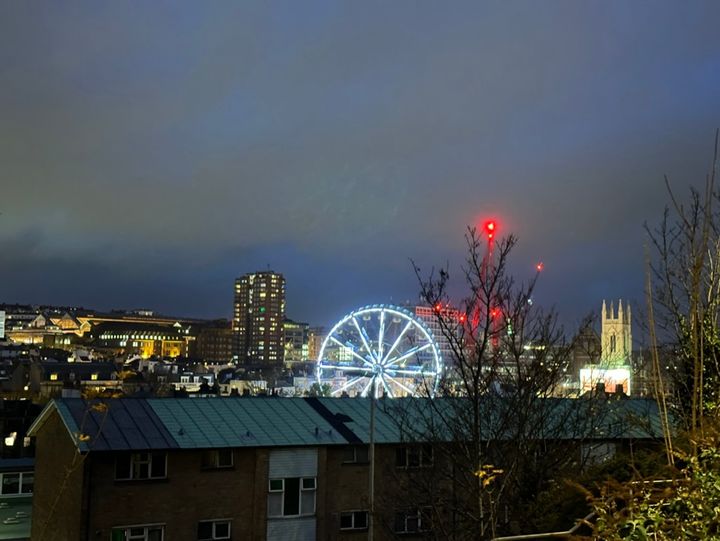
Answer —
353 513
20 475
413 514
215 459
301 512
145 534
355 459
215 522
135 459
420 450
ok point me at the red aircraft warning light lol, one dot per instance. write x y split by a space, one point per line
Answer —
490 228
540 266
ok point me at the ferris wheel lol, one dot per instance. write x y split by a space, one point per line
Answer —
380 350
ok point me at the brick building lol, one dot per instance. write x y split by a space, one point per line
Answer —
224 468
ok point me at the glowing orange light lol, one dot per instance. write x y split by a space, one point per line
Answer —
438 307
494 313
540 266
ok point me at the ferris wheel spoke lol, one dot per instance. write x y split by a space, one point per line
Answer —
363 335
362 369
355 354
412 372
381 334
348 384
383 360
396 382
365 390
386 387
409 353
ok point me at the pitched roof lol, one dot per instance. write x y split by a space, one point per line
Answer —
212 422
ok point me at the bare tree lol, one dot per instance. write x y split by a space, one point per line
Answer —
684 293
502 428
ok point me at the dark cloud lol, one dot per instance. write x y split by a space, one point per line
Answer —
162 149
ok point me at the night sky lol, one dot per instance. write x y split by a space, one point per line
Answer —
150 152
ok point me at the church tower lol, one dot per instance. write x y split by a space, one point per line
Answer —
616 334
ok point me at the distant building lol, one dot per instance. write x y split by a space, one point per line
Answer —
2 324
431 317
614 369
316 336
296 341
258 319
214 342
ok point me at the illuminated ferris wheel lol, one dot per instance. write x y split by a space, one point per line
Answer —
380 350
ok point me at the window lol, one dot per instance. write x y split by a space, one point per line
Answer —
141 466
210 530
355 454
138 533
354 520
413 520
217 458
415 456
291 497
53 377
16 483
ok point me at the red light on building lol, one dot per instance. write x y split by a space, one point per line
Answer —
540 266
438 307
494 313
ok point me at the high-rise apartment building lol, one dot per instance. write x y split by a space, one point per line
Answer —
258 319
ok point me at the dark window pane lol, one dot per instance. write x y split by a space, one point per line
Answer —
346 521
308 483
361 519
413 457
141 470
27 483
361 454
122 467
276 484
348 454
158 464
205 530
11 483
222 530
117 534
155 534
208 458
400 457
225 458
292 496
427 455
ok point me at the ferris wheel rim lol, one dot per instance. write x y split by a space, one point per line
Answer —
434 370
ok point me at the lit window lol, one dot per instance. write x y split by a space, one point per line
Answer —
93 377
210 530
354 520
141 466
53 377
152 532
291 497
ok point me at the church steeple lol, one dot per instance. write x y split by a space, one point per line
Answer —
616 334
